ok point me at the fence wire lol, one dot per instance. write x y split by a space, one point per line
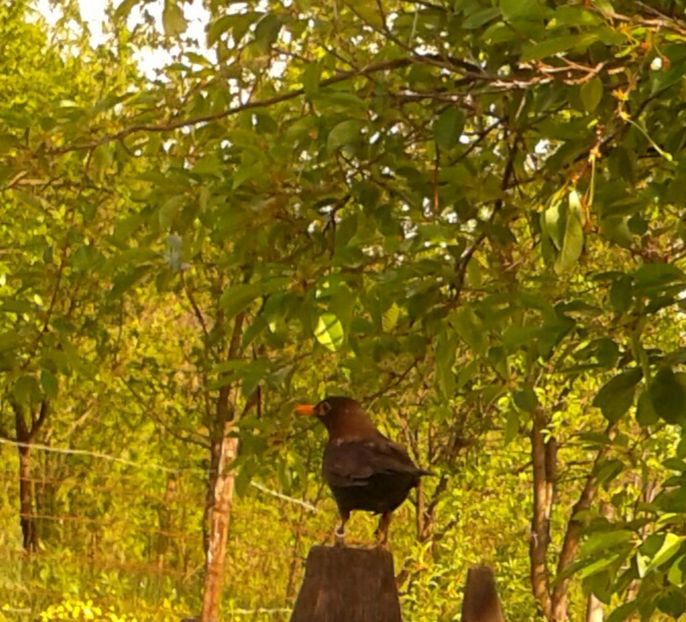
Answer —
127 537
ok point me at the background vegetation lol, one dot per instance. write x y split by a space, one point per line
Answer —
468 214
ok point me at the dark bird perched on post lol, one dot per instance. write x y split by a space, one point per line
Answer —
364 469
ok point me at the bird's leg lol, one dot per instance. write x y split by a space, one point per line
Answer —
382 529
339 534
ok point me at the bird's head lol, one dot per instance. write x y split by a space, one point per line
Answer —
343 417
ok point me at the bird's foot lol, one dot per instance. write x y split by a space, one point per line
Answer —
339 537
381 532
381 542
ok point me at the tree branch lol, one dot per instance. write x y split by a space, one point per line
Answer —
540 522
372 68
572 539
37 424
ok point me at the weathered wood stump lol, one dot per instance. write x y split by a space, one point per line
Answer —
481 602
347 585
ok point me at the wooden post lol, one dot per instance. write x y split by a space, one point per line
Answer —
481 602
348 585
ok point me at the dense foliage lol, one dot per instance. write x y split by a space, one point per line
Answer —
469 215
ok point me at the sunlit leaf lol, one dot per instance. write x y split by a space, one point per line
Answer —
173 19
573 240
670 546
389 319
329 331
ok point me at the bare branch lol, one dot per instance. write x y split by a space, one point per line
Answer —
40 420
540 522
572 539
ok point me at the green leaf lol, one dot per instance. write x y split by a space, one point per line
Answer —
218 27
329 331
567 15
573 241
236 298
604 540
173 19
343 134
448 127
670 547
552 222
621 292
169 211
558 45
511 426
252 374
474 276
478 18
677 572
608 470
598 565
526 399
26 390
124 8
446 344
604 6
125 281
617 395
645 413
622 613
469 327
668 395
17 306
49 383
616 229
591 93
310 79
656 274
521 9
390 316
672 602
267 31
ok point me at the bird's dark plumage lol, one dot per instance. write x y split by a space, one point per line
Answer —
364 469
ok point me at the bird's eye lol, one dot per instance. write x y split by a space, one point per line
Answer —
324 408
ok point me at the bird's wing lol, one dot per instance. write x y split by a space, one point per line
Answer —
352 463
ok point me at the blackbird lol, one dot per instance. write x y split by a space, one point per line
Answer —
364 469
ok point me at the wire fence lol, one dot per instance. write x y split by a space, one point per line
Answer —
127 537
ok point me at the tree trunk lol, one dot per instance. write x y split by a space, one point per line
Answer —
218 532
26 519
224 450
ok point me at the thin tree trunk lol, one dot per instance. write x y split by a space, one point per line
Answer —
26 519
219 518
221 479
26 427
540 522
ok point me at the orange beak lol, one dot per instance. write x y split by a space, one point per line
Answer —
305 410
